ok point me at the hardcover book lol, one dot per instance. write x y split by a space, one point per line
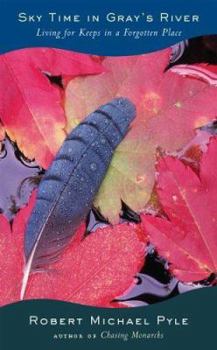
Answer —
108 169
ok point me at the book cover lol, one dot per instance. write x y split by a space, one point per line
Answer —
108 170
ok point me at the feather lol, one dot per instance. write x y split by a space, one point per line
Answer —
67 190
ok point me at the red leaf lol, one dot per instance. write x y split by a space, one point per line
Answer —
169 109
93 271
188 238
98 270
30 105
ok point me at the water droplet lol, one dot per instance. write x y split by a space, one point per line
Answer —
174 197
93 166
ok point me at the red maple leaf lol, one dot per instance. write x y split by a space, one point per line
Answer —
169 109
91 271
31 106
187 238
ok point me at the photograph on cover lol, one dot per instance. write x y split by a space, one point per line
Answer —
108 175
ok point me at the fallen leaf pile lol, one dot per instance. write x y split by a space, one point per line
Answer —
44 94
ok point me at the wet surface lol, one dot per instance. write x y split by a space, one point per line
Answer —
18 178
153 283
202 49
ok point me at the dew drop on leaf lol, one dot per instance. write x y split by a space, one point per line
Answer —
93 166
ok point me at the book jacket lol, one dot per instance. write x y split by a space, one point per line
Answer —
108 174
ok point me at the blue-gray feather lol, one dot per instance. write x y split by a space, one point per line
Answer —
67 191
